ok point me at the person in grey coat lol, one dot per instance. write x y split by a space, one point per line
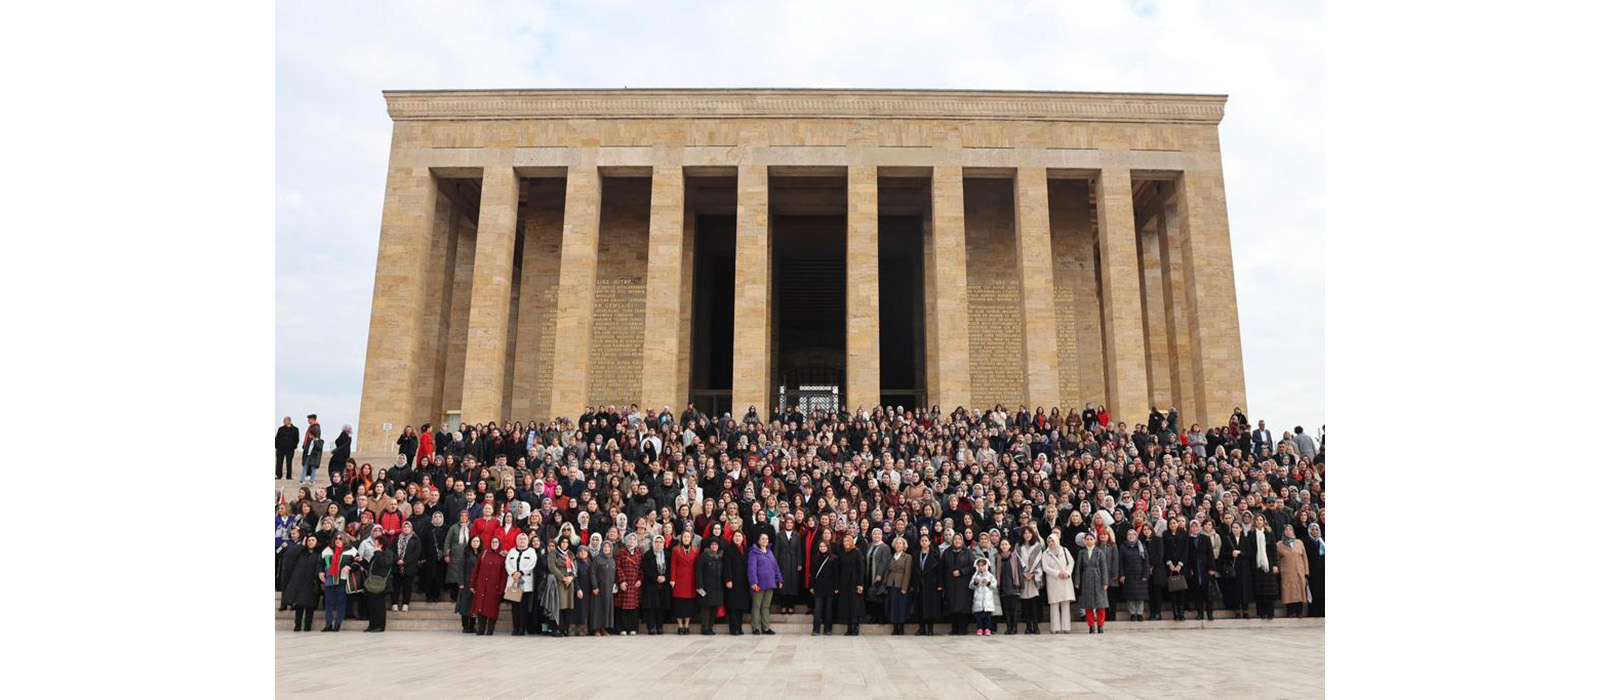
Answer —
1092 576
603 576
1135 575
457 570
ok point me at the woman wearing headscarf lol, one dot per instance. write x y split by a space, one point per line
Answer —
469 562
1292 570
711 583
1092 575
1262 556
630 584
1031 554
300 585
1134 574
603 586
738 572
1057 565
457 573
790 549
1316 553
522 565
489 587
957 562
655 569
562 567
852 602
683 580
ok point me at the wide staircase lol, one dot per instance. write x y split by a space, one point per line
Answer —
441 617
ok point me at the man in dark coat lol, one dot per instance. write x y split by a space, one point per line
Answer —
852 586
957 563
288 436
927 585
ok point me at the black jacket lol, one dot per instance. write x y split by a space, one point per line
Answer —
926 581
288 438
735 563
712 577
852 573
957 566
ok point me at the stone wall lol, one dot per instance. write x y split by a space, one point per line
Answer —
1078 339
616 348
536 314
993 301
460 308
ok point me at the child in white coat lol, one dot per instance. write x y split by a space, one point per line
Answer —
984 596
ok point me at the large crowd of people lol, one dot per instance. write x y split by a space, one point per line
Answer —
629 520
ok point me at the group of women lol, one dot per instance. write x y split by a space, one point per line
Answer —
625 519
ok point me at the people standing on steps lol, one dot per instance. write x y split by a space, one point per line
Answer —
984 600
897 583
311 448
1057 566
1292 570
824 589
1134 574
467 558
522 565
928 583
1030 553
1261 556
300 581
765 575
488 587
630 585
957 562
334 575
1092 574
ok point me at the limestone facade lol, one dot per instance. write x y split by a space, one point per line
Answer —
537 252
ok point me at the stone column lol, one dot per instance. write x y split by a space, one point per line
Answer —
1176 292
1216 356
862 373
404 241
483 383
580 252
1041 375
1158 364
685 312
663 296
1127 387
752 296
949 322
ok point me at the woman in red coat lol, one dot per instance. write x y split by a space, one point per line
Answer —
506 533
629 584
683 595
425 441
488 587
486 524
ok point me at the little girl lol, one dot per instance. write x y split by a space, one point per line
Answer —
983 597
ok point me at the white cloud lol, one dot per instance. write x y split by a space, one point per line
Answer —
334 59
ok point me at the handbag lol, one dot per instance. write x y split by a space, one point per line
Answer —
513 591
1213 591
1176 582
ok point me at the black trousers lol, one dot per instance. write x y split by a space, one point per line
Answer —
432 580
1031 607
283 466
377 613
520 615
1008 606
401 593
958 622
822 613
627 620
1264 605
655 618
708 617
302 617
1158 595
1200 598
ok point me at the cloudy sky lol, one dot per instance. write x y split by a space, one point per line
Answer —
333 59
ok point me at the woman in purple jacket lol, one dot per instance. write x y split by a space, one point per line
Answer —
765 577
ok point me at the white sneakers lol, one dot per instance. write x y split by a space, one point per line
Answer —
406 608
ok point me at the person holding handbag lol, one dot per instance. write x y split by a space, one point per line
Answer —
521 564
1176 549
336 562
380 569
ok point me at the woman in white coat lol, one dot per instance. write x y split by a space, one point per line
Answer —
521 563
1057 565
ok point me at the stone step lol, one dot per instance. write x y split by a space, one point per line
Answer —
399 622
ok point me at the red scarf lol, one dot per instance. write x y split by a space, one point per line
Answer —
338 551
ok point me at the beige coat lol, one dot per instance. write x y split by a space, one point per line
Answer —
1055 564
1292 571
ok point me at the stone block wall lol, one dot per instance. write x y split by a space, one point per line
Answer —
993 294
616 347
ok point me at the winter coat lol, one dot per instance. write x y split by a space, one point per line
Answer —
655 596
957 565
603 581
629 581
526 562
563 570
791 556
1092 575
1009 584
825 575
1032 570
469 562
411 554
456 570
983 592
852 574
301 586
711 578
1135 571
1202 561
737 567
1055 564
877 556
762 569
898 574
1293 569
683 572
341 451
489 585
1258 582
927 582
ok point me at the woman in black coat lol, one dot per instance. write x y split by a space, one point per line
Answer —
1158 570
286 555
927 585
711 583
655 568
852 586
1317 575
301 586
1260 555
957 565
739 599
1135 574
1230 564
789 546
1175 561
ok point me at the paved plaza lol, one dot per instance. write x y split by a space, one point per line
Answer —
1265 663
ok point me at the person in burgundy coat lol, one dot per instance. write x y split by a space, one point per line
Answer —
488 587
